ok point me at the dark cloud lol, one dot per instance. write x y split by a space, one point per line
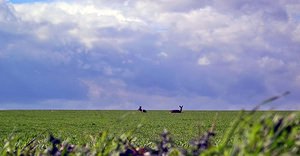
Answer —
28 81
117 55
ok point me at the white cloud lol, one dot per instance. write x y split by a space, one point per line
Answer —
297 80
204 61
270 63
230 57
79 20
94 90
163 55
6 12
296 33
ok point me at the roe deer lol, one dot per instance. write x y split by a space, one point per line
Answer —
177 111
142 110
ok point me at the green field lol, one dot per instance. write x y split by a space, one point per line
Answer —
77 126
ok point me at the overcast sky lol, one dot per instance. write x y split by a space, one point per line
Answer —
117 54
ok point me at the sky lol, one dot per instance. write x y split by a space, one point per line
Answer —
120 54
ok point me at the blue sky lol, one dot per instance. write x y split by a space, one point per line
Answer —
159 54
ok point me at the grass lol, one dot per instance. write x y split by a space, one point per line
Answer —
77 126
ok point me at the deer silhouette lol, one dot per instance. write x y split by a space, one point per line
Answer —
142 110
177 111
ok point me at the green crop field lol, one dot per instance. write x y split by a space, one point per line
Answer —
77 126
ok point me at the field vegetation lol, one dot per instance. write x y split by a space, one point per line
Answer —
78 125
189 133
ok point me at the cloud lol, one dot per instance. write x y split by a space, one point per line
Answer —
7 12
118 55
204 61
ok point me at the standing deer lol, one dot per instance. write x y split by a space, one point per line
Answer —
142 110
177 111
